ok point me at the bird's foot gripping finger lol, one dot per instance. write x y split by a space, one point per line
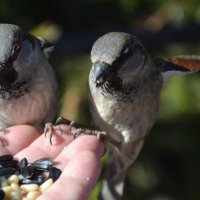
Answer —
49 129
77 129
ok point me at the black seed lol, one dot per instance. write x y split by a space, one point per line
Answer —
36 172
23 163
43 163
54 173
26 181
6 172
2 194
8 163
6 157
38 181
28 171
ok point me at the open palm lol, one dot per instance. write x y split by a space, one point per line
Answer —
78 159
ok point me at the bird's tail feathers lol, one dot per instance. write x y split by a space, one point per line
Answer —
184 64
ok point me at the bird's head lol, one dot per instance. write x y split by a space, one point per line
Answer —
22 59
19 54
117 54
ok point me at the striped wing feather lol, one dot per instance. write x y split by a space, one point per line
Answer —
189 62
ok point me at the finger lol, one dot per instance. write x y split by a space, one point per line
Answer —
17 138
81 163
80 144
77 179
41 147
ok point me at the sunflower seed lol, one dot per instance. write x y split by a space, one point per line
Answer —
54 173
43 163
28 171
6 157
6 172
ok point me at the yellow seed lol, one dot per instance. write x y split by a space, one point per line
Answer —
33 195
13 179
46 185
29 187
7 190
14 186
14 195
20 177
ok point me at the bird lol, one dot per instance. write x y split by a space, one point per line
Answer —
124 86
28 85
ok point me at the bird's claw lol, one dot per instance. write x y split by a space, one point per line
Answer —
86 131
75 128
99 134
48 130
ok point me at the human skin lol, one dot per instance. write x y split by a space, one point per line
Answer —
79 159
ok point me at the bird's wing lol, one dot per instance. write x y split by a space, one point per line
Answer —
46 46
179 65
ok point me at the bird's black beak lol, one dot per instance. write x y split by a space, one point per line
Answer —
101 72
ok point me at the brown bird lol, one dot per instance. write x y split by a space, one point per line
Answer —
28 86
124 88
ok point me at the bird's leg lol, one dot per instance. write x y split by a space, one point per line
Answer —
75 128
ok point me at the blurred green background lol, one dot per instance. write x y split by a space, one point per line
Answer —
168 167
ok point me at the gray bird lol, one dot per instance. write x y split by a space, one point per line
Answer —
124 87
28 86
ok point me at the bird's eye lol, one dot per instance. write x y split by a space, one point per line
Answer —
16 42
125 50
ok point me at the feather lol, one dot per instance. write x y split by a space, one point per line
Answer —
46 46
177 65
190 62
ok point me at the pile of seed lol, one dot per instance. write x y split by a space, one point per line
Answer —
23 180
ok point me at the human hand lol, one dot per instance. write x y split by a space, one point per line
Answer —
78 159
